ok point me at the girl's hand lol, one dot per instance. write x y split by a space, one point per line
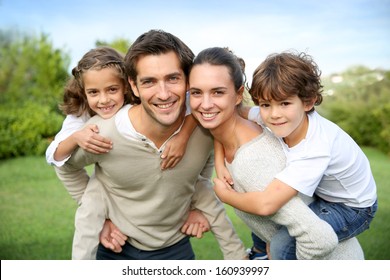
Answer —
196 224
173 152
89 139
111 237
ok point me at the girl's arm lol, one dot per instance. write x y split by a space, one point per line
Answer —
86 138
176 146
220 168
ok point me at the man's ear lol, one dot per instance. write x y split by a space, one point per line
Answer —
133 86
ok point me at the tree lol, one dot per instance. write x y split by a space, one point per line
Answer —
121 45
32 76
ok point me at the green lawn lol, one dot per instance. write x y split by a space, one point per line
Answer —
37 214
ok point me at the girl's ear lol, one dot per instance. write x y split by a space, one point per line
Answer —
133 87
240 95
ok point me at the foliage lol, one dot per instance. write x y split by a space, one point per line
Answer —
26 130
31 70
121 45
32 76
359 100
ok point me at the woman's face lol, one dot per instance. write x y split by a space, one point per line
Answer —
213 99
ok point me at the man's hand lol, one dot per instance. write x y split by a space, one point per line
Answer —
196 224
111 237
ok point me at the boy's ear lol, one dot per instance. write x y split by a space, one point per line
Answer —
133 86
309 105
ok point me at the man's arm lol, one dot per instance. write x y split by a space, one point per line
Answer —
205 200
73 175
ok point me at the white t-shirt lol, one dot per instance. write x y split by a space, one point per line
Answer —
70 125
329 163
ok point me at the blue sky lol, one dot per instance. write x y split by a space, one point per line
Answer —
337 33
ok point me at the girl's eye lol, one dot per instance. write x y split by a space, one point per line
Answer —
113 90
92 92
285 103
264 105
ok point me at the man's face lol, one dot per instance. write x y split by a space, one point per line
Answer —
161 85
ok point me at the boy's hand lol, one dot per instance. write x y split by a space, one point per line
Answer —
222 189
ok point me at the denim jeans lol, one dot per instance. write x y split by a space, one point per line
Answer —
258 243
179 251
346 221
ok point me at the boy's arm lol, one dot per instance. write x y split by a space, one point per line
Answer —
176 146
262 203
251 113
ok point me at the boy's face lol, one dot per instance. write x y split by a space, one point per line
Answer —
287 118
105 91
161 85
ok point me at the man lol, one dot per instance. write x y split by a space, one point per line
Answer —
147 204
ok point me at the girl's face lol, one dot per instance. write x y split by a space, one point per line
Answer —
213 99
287 118
105 91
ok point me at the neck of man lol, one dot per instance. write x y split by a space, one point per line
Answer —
150 128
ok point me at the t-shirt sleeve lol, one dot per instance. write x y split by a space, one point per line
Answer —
254 115
69 126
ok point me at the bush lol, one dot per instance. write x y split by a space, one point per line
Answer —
27 130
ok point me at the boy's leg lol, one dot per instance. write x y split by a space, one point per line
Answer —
283 246
346 221
259 249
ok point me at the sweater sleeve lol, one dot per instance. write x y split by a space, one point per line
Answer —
73 175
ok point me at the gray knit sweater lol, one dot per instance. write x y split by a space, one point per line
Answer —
253 168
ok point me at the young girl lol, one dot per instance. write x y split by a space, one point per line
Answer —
322 160
252 154
99 86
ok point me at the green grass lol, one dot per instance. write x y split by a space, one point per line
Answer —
37 214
